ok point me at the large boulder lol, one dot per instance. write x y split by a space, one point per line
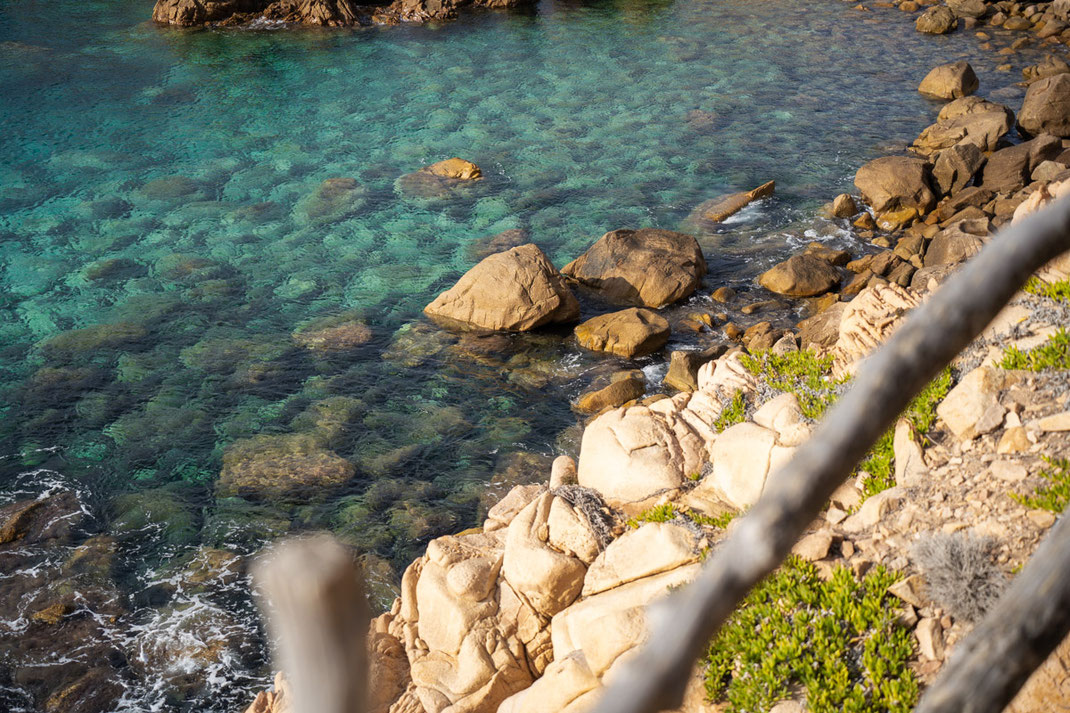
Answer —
955 167
515 290
938 20
949 81
969 120
1009 169
953 245
629 333
629 454
868 321
895 182
972 408
800 276
280 465
648 267
1046 108
968 8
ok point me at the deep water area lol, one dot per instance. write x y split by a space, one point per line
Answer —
169 230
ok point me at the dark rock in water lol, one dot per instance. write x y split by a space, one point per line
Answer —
648 267
333 200
280 465
506 240
99 337
171 188
340 332
684 366
32 522
95 692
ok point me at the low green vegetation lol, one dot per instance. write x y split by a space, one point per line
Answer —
922 414
1056 494
1058 291
1052 354
837 640
733 413
668 512
803 373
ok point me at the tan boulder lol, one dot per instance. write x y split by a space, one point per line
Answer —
629 333
620 391
570 532
1046 107
910 467
1010 169
967 120
953 245
937 20
949 81
972 408
800 276
956 166
629 454
515 290
718 209
456 168
743 457
549 580
653 548
648 267
564 681
502 513
894 182
843 206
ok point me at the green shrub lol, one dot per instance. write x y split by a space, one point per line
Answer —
732 414
1058 291
1052 354
1056 495
922 414
669 512
803 373
838 640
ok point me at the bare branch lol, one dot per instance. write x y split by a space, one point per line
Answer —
319 616
886 382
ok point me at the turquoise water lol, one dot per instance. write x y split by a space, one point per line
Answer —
160 187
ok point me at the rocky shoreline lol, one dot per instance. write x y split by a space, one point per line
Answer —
537 609
315 13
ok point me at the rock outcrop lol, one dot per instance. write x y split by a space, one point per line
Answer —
320 13
895 182
647 267
800 276
516 290
717 210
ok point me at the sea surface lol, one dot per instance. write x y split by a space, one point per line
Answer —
165 230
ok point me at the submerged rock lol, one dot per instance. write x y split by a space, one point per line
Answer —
280 465
648 267
334 199
334 333
629 333
439 180
516 290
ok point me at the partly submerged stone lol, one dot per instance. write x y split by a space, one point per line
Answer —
719 209
629 333
800 276
648 267
893 182
625 387
949 81
456 168
938 20
280 465
516 290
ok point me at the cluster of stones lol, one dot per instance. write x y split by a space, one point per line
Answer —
321 13
1049 21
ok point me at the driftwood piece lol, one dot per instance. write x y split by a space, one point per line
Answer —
928 340
318 614
991 664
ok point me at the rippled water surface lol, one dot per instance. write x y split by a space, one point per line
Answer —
164 189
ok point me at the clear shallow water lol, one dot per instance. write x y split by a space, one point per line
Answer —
163 184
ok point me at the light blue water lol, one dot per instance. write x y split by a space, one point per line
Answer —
162 183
